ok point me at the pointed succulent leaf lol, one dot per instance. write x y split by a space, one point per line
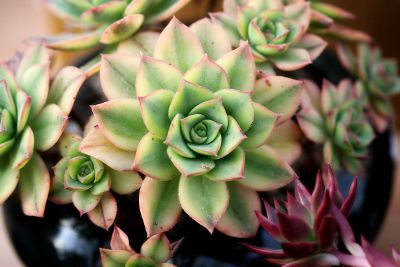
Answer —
98 146
187 97
23 149
312 125
154 74
190 167
105 12
121 122
35 55
208 74
137 7
231 139
8 77
6 98
178 45
114 258
292 59
105 212
154 109
8 179
279 94
34 186
48 127
120 240
175 139
65 87
84 201
238 104
244 16
240 218
203 200
210 149
118 74
229 168
159 205
213 38
141 43
163 10
103 185
236 63
152 160
228 23
122 29
214 110
265 170
262 127
23 103
75 42
35 83
157 248
313 44
124 183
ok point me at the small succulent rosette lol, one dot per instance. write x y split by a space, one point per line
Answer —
306 225
108 22
34 113
327 19
195 121
378 79
86 182
335 118
155 252
275 32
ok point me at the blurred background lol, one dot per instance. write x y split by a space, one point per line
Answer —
20 19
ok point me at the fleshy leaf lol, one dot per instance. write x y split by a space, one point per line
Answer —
122 29
240 218
279 94
8 179
157 248
75 42
35 83
207 74
231 139
159 205
23 149
228 23
164 10
292 59
213 38
214 110
178 45
262 127
154 109
105 212
152 159
204 200
7 75
124 182
228 168
120 240
154 74
313 44
35 55
265 170
114 258
238 104
48 127
190 167
236 63
121 122
65 87
34 186
312 125
118 74
84 201
98 146
175 139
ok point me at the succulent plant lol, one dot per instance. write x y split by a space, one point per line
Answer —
275 32
194 128
86 182
306 225
33 116
377 80
334 117
108 21
326 20
155 252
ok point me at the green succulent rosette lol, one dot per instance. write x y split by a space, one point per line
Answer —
377 80
33 116
194 120
108 22
155 252
275 32
335 118
87 183
327 21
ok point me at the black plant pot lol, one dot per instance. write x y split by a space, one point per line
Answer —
65 239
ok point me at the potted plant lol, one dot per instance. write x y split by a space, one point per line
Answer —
175 133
